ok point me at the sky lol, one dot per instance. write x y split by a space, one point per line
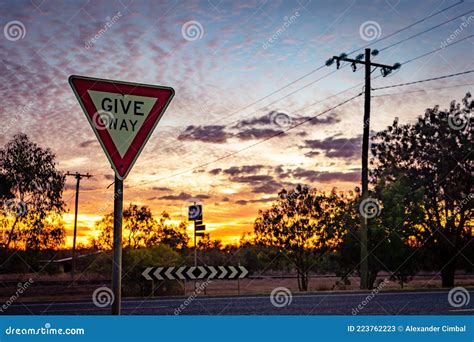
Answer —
226 61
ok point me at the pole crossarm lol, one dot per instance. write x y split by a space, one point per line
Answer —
372 64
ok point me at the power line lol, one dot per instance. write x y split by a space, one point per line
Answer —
438 49
353 51
424 90
425 80
425 31
281 132
409 26
258 142
322 66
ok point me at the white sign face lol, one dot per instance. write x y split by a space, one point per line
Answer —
122 115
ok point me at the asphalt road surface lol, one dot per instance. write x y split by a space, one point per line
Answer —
385 303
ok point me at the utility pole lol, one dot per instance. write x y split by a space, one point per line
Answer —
78 177
386 70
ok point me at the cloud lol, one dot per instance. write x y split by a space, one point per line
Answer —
215 171
252 179
334 147
160 188
259 133
211 133
260 183
87 143
183 196
270 187
326 176
272 118
330 119
237 170
246 169
259 200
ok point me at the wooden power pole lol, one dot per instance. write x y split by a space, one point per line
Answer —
364 59
78 177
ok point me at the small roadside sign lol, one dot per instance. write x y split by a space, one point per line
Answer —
195 212
123 115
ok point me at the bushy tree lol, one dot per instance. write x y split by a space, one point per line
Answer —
31 192
303 224
141 229
433 158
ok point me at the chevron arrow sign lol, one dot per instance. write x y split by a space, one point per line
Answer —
192 273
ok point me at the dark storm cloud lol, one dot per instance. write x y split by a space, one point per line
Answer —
211 133
334 147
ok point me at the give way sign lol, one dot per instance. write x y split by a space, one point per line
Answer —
123 115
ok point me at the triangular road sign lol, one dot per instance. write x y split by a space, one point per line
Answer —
123 115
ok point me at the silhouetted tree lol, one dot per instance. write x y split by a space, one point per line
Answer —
31 191
141 229
303 224
433 157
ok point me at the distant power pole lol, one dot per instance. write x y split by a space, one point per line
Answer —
78 177
386 70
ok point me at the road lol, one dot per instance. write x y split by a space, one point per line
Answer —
384 303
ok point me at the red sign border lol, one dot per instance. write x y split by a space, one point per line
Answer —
122 166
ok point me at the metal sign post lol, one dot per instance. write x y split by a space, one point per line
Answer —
117 259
